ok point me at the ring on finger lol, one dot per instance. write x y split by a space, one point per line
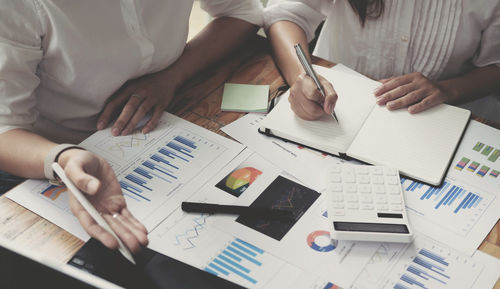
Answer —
115 215
139 97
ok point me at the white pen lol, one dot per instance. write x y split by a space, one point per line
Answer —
91 210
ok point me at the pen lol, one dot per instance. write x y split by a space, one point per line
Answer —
310 72
91 210
236 210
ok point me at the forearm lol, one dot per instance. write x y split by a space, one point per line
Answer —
216 40
22 153
474 84
284 35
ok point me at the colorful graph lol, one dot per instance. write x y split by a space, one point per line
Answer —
487 150
54 192
494 173
330 285
239 259
494 156
282 194
473 166
462 163
238 180
478 146
314 241
482 172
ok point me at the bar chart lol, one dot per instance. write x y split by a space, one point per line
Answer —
433 266
238 260
164 168
452 205
57 196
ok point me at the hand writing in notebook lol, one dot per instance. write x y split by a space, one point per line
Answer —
306 100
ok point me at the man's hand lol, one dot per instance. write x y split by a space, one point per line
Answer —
94 176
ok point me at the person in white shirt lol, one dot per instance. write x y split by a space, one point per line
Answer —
68 68
424 52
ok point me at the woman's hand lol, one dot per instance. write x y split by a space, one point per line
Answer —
134 100
94 176
306 100
414 91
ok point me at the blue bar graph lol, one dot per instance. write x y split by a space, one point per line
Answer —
159 168
433 256
161 159
239 258
447 195
139 181
180 148
136 192
399 286
171 154
412 281
185 141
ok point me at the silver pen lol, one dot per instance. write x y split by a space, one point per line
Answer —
310 72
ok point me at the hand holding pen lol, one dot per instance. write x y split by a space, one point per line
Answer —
311 96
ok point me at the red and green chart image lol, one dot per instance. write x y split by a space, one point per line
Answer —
238 180
484 161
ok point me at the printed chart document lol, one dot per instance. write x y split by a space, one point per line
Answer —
156 171
426 263
420 145
462 211
258 252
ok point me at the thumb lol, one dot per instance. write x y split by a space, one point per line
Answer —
82 180
330 98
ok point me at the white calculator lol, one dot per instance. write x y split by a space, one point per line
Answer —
365 203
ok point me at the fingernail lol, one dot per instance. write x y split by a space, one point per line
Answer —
92 186
115 131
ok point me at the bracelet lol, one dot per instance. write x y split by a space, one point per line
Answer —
53 156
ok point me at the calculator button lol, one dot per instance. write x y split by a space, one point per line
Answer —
352 198
378 189
338 205
363 179
337 197
397 208
361 170
367 207
376 170
379 180
364 189
352 206
335 178
390 171
350 188
336 187
383 208
366 199
392 180
393 190
395 200
348 178
380 200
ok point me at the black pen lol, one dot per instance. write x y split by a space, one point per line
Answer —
310 72
264 213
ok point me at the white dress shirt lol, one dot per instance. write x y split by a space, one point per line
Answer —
60 60
442 39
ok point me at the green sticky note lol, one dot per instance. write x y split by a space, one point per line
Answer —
245 97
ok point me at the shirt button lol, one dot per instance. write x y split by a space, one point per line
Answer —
404 38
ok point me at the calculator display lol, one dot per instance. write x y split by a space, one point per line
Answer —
371 227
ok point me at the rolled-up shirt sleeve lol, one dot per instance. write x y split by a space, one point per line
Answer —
308 14
20 53
248 10
489 49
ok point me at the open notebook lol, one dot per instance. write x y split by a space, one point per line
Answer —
419 145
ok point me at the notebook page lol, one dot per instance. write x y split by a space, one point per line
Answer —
353 106
419 145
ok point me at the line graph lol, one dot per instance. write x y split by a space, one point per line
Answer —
283 194
186 238
124 147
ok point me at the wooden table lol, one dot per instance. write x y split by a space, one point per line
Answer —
198 102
